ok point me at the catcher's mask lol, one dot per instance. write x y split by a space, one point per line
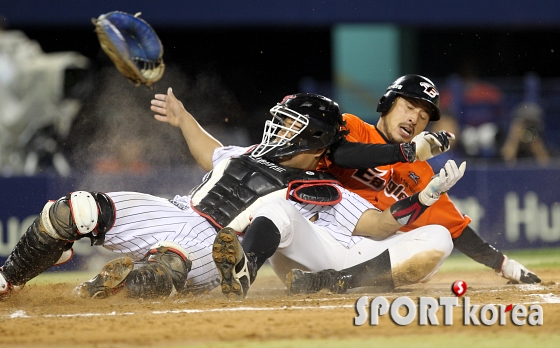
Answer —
411 86
300 122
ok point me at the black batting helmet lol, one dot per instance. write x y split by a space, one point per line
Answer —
412 86
300 122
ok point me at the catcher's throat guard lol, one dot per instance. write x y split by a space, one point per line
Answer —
132 45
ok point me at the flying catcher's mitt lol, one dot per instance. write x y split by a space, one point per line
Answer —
132 45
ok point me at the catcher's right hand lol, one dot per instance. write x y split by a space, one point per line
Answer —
430 144
132 45
169 109
516 272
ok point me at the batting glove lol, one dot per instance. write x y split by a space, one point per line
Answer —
516 272
430 144
442 182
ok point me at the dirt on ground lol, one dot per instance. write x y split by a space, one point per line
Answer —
49 315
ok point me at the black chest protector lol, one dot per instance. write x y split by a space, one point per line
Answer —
223 195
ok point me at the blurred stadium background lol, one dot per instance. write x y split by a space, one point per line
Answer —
69 120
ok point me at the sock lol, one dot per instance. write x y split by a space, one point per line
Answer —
373 272
261 238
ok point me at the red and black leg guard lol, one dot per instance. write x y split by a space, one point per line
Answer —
38 250
34 253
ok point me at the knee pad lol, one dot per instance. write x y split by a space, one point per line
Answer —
78 214
162 273
48 240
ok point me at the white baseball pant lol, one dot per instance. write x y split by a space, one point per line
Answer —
142 220
309 246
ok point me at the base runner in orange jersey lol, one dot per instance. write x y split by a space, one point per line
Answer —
407 106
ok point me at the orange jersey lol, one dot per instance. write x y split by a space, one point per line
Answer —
384 185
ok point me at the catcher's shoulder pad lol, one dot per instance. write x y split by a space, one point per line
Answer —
317 192
132 45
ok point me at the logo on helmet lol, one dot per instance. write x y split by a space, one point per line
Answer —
429 89
288 97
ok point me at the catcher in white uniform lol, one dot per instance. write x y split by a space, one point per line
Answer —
312 232
169 243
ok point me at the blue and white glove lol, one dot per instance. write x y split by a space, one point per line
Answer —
133 45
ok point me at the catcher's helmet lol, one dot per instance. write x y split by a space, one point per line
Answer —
300 122
412 86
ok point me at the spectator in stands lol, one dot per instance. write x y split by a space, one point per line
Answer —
479 108
525 137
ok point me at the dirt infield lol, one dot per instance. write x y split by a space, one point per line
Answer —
47 315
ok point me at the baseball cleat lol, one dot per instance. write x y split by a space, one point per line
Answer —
108 282
302 282
232 264
7 289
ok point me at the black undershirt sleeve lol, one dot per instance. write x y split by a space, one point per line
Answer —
348 154
470 244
